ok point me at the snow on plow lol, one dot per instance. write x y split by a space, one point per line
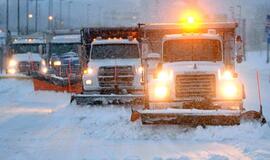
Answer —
194 117
54 83
87 99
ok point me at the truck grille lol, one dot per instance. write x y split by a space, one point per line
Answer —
195 85
65 69
28 67
121 76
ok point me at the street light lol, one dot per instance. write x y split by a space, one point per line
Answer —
50 18
30 15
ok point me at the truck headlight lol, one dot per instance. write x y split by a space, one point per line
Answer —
43 62
12 63
44 70
57 63
230 90
161 92
88 71
164 76
226 75
139 70
88 82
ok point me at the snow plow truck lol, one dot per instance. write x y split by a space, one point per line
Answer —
114 71
63 72
190 77
25 57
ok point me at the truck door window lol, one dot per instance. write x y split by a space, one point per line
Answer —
192 50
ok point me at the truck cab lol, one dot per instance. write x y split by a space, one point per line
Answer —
64 55
114 67
25 56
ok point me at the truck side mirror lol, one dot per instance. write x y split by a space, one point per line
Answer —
239 49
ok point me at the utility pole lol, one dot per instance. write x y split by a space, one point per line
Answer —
36 15
87 13
27 18
60 16
69 14
7 18
18 17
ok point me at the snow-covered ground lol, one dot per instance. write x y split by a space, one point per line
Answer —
43 125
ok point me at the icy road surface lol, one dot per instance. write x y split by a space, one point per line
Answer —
43 125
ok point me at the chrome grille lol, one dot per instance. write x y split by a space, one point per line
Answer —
195 85
111 76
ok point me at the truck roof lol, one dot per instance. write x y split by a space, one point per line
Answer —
192 36
29 41
115 41
76 38
212 25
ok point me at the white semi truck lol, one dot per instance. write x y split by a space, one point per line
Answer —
190 75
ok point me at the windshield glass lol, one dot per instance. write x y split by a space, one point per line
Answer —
24 48
61 48
115 51
192 50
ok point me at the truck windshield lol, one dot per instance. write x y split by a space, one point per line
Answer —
24 48
115 51
61 48
192 50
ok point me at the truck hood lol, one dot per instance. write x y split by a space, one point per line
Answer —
194 66
27 57
114 62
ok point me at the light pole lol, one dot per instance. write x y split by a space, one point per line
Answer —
69 14
18 17
27 20
60 14
87 13
36 15
50 14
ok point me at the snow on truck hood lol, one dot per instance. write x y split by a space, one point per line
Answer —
114 62
27 57
194 66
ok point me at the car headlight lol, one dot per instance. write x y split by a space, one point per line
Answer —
57 63
12 63
88 71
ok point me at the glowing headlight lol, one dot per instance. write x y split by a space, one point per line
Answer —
88 82
43 62
164 76
12 63
229 90
88 71
12 71
57 63
44 70
226 75
140 70
161 92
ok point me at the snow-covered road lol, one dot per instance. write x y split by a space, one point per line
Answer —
43 125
